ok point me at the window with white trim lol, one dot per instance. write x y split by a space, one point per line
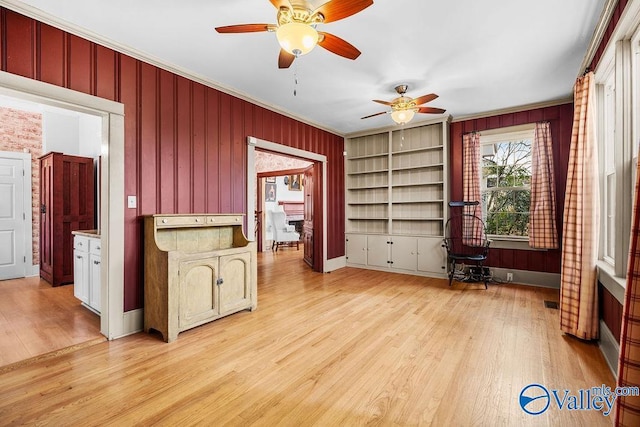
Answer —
608 155
617 79
505 162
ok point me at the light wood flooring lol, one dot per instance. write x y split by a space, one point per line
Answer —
348 348
37 319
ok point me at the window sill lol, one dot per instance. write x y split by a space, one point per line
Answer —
503 242
614 284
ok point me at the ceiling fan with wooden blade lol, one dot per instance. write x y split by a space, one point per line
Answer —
296 28
404 107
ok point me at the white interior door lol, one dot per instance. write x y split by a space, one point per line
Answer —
12 219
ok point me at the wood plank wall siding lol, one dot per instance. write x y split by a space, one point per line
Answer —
185 143
561 120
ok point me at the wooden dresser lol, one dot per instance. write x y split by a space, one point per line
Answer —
198 268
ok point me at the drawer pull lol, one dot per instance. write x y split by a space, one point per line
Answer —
197 219
164 221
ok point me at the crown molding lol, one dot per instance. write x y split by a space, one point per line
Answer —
517 109
598 34
39 15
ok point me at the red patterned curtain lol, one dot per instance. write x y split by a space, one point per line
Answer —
473 235
542 220
471 168
628 407
578 283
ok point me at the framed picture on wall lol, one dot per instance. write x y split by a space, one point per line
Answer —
295 182
270 192
270 179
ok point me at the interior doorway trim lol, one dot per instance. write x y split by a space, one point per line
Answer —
112 320
252 144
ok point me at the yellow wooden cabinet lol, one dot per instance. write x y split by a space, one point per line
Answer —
198 268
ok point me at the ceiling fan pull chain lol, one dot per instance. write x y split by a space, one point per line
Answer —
295 80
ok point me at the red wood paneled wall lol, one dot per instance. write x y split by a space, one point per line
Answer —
185 143
561 121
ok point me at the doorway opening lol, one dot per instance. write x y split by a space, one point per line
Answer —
312 175
280 188
110 115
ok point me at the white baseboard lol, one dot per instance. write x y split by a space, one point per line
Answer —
609 347
33 271
133 322
335 263
525 277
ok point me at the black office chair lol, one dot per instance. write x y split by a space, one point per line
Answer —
466 243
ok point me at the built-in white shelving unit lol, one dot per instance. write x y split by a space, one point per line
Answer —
396 198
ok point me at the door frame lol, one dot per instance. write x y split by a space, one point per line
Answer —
252 144
114 322
29 268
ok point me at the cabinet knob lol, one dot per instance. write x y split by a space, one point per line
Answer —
96 262
78 256
98 247
164 221
197 219
79 243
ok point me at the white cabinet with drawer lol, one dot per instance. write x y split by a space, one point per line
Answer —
86 269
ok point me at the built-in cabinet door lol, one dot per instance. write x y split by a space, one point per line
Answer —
432 256
378 251
81 276
356 249
94 281
198 290
404 253
235 282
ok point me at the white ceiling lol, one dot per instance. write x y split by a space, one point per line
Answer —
477 55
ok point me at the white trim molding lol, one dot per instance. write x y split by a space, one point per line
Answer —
252 144
112 188
609 348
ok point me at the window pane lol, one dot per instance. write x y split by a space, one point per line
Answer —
506 197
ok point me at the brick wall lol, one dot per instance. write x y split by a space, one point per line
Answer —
21 131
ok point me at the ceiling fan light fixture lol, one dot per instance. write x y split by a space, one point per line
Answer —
402 117
297 38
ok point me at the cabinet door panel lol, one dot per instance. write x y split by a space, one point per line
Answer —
235 289
356 249
198 291
404 253
378 251
81 276
94 281
431 255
